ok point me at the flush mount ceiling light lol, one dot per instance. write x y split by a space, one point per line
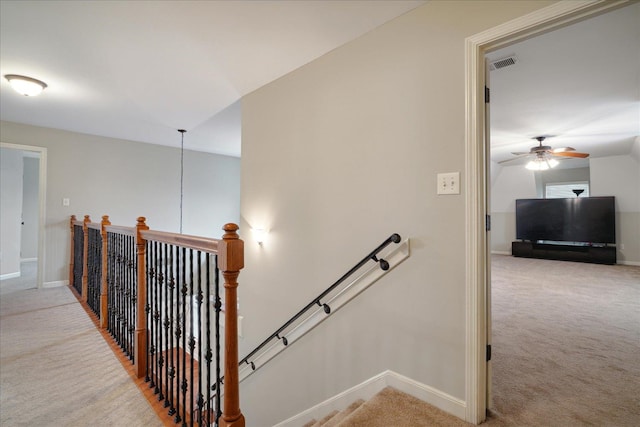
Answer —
26 86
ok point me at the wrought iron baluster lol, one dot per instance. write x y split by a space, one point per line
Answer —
147 307
218 307
184 337
208 336
134 295
191 338
199 297
160 349
165 324
179 329
151 326
131 300
171 349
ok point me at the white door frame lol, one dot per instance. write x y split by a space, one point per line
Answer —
42 198
477 168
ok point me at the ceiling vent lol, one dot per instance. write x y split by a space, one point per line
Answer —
503 62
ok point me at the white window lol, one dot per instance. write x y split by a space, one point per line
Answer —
565 190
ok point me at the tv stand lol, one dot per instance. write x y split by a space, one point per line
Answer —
564 252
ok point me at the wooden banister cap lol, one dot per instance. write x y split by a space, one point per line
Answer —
230 231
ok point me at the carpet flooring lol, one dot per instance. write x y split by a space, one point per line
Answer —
566 343
57 370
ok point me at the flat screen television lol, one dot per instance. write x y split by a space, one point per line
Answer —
589 220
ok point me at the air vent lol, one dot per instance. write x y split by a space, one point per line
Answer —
503 62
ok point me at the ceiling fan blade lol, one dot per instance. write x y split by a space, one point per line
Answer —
521 153
563 149
515 158
571 154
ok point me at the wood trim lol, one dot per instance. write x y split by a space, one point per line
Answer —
140 343
85 257
94 225
203 244
231 261
104 291
72 222
127 231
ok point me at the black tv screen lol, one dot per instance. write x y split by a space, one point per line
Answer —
580 219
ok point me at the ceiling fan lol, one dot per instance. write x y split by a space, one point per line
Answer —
545 157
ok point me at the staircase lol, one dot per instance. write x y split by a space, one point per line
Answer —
390 407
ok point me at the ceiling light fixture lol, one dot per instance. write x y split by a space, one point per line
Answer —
26 86
542 163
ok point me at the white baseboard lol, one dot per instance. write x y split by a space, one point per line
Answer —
10 275
500 252
635 263
369 388
55 284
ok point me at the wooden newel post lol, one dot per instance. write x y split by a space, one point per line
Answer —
140 350
85 258
71 223
104 302
231 261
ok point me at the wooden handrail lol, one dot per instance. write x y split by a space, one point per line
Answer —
127 231
203 244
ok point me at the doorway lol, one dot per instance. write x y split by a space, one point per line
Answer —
478 176
26 167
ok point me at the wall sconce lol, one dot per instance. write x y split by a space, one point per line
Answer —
259 234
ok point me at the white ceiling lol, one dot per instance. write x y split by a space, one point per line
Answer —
140 70
580 84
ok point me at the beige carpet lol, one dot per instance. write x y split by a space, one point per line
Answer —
390 407
566 343
57 370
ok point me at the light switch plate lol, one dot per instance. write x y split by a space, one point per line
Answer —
449 183
65 202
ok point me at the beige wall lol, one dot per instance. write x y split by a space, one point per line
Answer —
337 156
124 180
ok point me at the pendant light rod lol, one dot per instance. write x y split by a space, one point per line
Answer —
182 131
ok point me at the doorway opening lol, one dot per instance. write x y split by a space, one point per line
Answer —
24 218
478 169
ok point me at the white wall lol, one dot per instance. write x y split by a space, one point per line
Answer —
336 156
11 167
124 179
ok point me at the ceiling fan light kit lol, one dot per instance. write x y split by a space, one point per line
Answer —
24 85
545 155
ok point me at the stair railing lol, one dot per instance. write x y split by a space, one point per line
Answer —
340 292
156 293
